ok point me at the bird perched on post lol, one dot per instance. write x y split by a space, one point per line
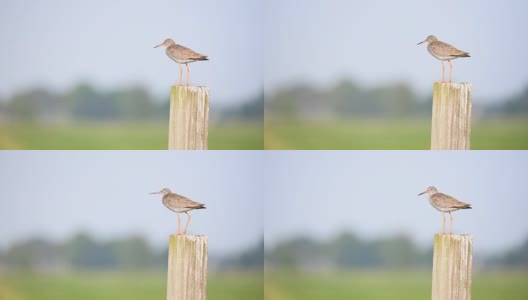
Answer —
181 55
444 203
179 204
443 51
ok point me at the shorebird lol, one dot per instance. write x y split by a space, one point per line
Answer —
444 203
181 55
443 51
179 204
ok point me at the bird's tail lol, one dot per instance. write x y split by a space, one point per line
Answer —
466 206
203 57
464 54
201 206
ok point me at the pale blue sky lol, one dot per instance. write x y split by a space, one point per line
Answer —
57 43
374 193
57 193
374 42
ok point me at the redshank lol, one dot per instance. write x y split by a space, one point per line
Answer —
444 203
181 55
179 204
443 51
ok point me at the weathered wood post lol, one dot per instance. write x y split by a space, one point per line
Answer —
452 260
187 272
189 118
451 126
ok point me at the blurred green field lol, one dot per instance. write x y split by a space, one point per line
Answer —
383 285
378 134
122 136
115 286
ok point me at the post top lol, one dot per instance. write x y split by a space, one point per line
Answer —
188 237
452 85
200 91
183 87
453 236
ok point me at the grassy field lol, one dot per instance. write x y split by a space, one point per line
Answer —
377 285
116 286
359 134
113 136
387 134
277 286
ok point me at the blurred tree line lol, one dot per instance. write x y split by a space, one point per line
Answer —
133 253
85 103
251 258
348 251
396 100
83 252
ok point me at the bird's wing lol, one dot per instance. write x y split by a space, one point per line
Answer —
182 201
448 50
173 200
192 204
184 52
447 201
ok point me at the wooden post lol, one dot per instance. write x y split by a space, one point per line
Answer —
451 126
452 259
189 118
187 272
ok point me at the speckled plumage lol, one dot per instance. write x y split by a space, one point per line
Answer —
443 51
181 55
179 204
444 203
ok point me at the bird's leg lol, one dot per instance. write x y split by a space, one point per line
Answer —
443 224
451 223
188 73
181 73
178 233
186 225
450 75
442 81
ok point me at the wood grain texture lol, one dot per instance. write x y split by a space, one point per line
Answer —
451 124
189 118
452 263
187 271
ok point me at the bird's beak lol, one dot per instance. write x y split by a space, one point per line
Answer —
155 193
157 46
421 42
422 193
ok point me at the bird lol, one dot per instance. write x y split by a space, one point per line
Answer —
181 55
443 51
179 204
444 203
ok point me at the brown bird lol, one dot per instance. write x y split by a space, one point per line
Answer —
443 51
181 55
444 203
179 204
